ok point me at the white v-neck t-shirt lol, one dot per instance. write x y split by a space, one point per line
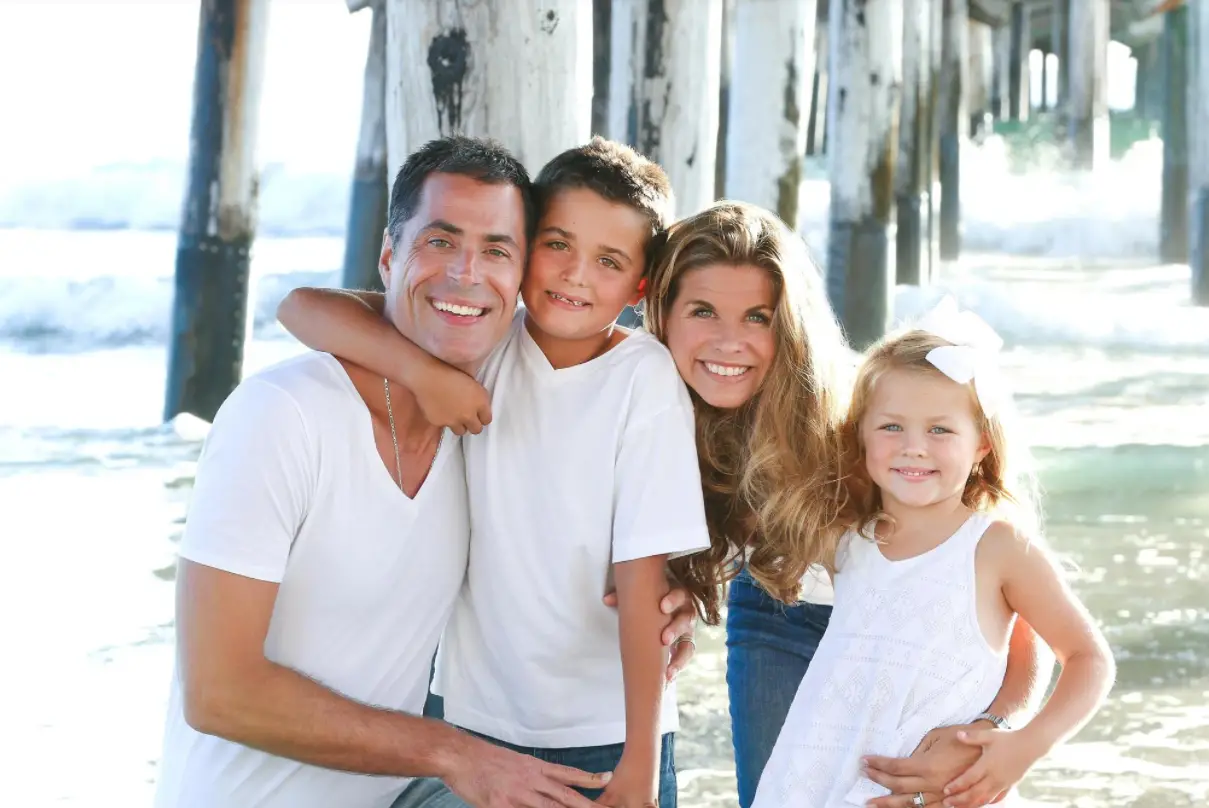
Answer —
291 489
580 468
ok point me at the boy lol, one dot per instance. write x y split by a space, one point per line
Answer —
593 475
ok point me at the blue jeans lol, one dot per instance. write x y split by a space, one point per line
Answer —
769 645
592 759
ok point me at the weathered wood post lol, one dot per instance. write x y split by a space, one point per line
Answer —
866 38
1173 212
1088 108
914 149
816 130
978 86
602 64
726 70
678 44
1018 67
1001 86
774 58
370 195
491 68
1147 102
952 124
1198 116
210 296
623 20
1045 102
1060 45
932 122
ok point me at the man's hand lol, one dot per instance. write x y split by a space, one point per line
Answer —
489 776
1006 758
939 759
450 398
678 634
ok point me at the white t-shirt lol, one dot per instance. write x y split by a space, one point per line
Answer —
291 489
580 468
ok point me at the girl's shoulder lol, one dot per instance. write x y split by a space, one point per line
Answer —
1004 542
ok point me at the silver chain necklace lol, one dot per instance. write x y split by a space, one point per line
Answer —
394 439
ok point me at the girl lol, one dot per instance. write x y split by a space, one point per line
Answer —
937 562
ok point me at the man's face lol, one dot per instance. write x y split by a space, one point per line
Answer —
451 284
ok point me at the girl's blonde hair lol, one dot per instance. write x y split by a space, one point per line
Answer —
1002 483
769 467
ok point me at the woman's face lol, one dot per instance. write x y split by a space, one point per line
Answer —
719 330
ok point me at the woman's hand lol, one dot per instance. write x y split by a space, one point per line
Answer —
681 625
940 758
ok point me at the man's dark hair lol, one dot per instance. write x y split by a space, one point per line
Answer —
478 158
615 172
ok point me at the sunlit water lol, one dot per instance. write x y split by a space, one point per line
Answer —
1107 359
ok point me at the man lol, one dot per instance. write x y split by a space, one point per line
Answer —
327 539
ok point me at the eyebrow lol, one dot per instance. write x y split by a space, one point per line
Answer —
453 229
569 236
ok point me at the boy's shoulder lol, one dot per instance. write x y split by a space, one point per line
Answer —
650 372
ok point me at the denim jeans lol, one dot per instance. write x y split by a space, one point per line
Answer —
769 645
592 759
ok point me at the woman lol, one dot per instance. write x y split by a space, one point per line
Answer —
737 300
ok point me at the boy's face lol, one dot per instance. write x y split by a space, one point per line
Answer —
586 264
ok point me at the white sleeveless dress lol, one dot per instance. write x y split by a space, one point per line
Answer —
902 655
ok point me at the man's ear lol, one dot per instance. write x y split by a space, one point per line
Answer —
384 258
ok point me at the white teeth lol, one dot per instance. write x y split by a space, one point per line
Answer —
557 296
464 311
913 473
725 370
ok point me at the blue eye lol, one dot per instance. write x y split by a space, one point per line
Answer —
891 427
939 430
439 242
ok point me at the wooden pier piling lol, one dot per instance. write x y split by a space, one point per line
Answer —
914 148
1173 211
1198 116
210 295
1088 83
678 51
866 38
769 103
955 63
519 71
370 196
1019 80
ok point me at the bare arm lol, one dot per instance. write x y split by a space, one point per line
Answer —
231 690
641 584
1034 588
1030 665
351 325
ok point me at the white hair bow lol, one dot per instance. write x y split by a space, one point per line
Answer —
972 356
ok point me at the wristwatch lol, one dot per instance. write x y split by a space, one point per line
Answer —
999 721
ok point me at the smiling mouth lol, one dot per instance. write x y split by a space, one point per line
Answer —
458 309
725 371
568 301
915 474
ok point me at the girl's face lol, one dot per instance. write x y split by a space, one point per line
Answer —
719 331
921 438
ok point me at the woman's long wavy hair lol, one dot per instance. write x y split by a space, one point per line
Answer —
1003 483
769 467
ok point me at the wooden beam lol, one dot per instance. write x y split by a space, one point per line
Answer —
519 71
369 199
356 5
770 103
210 308
1173 210
866 70
1088 125
679 45
914 152
952 118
